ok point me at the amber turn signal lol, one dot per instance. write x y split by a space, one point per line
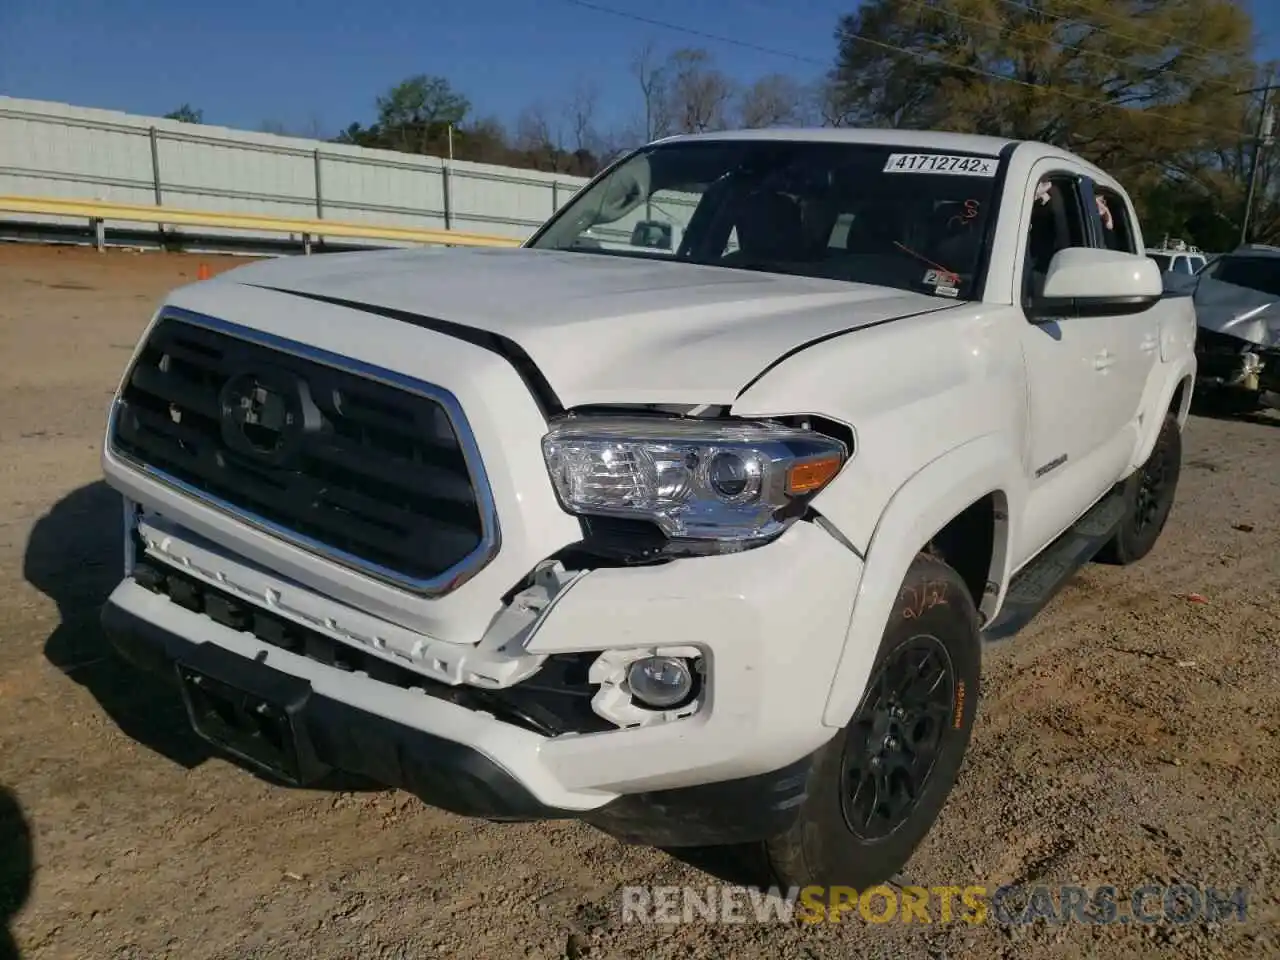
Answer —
811 475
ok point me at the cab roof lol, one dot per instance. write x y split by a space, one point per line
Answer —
919 139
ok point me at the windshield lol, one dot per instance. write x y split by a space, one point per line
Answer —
853 212
1256 273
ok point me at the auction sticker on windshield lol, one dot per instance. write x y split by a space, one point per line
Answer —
949 164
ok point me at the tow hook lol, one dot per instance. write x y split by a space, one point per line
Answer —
1250 368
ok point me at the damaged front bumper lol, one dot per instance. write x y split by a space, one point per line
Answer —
521 725
328 732
1231 363
1238 338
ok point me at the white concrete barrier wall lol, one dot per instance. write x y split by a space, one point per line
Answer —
56 150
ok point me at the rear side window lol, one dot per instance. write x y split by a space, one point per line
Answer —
1256 273
1113 216
1161 259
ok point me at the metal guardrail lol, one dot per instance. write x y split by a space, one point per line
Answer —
97 212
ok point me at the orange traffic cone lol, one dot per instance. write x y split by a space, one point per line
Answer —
202 272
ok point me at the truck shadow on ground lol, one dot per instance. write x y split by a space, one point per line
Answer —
17 867
75 556
1217 407
743 865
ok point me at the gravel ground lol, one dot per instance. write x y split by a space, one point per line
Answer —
1128 737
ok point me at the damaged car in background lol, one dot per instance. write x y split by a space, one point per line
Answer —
1237 300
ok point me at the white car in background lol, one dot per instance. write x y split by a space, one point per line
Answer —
1178 259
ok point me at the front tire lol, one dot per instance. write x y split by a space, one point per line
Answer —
877 787
1148 493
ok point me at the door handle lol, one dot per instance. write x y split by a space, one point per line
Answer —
1150 344
1103 360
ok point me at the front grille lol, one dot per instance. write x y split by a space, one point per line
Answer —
381 477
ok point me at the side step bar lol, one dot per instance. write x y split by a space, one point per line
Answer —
1039 581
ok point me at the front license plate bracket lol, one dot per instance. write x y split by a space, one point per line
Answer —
252 712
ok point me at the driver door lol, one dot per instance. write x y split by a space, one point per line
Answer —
1074 449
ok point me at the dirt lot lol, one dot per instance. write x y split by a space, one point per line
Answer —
1131 736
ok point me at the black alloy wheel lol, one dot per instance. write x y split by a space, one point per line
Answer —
1149 494
893 742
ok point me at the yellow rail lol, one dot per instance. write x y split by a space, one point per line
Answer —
96 211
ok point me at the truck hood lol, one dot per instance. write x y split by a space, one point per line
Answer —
601 329
1238 311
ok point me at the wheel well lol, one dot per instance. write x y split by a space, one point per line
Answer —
968 544
1179 395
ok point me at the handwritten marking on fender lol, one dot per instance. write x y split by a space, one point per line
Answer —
959 716
947 164
924 597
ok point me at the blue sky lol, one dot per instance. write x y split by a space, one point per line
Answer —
302 62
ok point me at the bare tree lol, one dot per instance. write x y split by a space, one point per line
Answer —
536 135
580 115
533 129
829 104
698 94
772 101
649 73
314 128
612 143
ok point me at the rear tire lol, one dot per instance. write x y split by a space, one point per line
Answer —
877 787
1149 493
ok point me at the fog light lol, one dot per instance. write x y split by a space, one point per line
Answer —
660 682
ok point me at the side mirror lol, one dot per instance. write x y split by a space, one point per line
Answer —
1092 282
653 234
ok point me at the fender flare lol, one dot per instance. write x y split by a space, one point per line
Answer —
1185 371
922 506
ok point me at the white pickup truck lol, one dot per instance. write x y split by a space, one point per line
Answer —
699 545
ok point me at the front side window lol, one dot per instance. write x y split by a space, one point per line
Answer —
1057 223
910 219
1161 260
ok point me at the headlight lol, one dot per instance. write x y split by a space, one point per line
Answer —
702 480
